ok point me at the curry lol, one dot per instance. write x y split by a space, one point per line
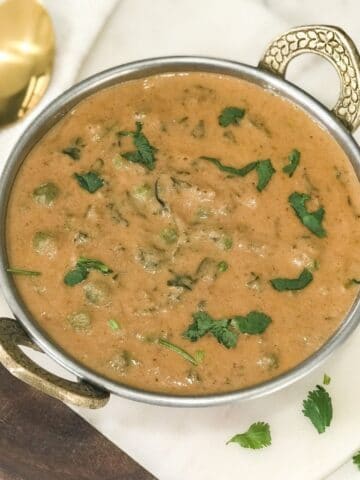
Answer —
187 233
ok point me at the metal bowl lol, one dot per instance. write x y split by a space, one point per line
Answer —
93 389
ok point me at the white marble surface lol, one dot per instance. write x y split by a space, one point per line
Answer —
190 444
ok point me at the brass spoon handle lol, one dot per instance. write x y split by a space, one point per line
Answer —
13 358
331 43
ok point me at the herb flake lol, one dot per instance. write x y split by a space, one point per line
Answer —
294 160
180 351
26 273
231 116
283 284
257 436
311 220
144 153
89 181
82 268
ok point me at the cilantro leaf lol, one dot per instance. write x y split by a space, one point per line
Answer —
89 181
241 172
318 408
311 220
265 171
20 271
74 150
81 270
231 115
282 284
92 264
356 460
351 282
180 351
224 334
253 323
226 330
257 436
145 152
75 276
294 160
202 323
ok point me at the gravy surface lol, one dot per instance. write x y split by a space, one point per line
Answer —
177 235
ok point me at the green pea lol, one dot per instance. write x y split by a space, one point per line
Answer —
46 194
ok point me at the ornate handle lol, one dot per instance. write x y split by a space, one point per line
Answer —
13 358
334 45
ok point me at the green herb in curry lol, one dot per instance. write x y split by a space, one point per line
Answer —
144 153
294 160
231 116
82 268
311 220
283 284
20 271
89 181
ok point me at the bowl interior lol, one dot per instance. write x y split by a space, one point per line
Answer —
63 104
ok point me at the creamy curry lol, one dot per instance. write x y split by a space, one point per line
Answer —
187 233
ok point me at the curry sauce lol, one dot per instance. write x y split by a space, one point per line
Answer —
187 233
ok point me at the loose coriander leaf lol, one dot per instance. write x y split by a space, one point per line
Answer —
93 264
265 171
202 323
326 379
311 220
224 333
253 323
283 284
75 276
318 408
222 266
89 181
231 170
180 351
20 271
184 281
356 460
145 152
73 152
294 160
257 436
231 115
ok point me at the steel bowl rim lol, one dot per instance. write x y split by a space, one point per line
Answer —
139 69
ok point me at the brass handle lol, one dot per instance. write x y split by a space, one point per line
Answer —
334 45
18 364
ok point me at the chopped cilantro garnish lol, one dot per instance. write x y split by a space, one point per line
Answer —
89 181
318 408
222 266
74 150
264 170
356 460
311 220
231 116
174 348
253 323
283 284
144 153
294 160
81 270
20 271
352 281
227 330
257 436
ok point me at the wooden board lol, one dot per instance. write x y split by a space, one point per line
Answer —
42 439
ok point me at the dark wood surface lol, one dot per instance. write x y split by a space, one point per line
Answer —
42 439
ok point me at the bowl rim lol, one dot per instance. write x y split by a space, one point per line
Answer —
51 114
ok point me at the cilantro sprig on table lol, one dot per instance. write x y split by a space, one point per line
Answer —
318 408
257 436
263 168
144 153
226 331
